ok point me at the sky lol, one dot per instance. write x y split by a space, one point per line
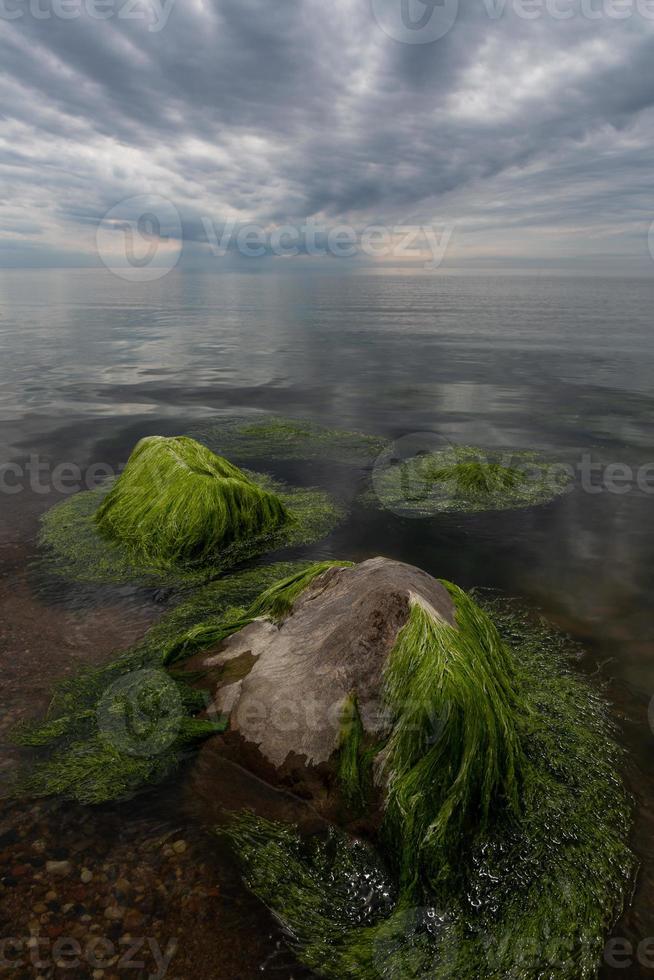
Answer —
384 135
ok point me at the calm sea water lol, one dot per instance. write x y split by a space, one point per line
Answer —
89 364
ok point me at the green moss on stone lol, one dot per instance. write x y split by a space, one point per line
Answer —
278 600
353 774
75 549
506 826
465 479
178 504
456 747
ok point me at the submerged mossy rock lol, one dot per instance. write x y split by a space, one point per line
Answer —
177 503
274 437
482 772
465 479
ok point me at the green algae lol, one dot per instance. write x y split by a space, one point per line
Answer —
278 600
354 775
75 548
457 724
277 438
506 823
178 504
140 728
273 603
465 479
335 886
115 729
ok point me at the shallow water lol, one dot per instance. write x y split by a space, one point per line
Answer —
90 364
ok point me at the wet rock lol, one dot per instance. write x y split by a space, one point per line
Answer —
286 710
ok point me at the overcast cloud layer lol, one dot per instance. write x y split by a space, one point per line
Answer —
529 137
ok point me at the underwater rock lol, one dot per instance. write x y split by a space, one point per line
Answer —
176 502
464 479
274 437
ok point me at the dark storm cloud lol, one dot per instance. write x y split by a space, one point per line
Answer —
521 133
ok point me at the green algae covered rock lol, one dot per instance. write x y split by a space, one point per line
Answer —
464 479
176 502
178 515
481 770
468 777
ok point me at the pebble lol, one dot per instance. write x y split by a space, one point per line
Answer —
133 920
58 868
114 912
86 876
179 846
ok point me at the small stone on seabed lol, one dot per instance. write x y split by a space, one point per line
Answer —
86 876
59 868
114 912
179 846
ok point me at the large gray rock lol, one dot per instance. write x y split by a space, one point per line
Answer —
284 685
